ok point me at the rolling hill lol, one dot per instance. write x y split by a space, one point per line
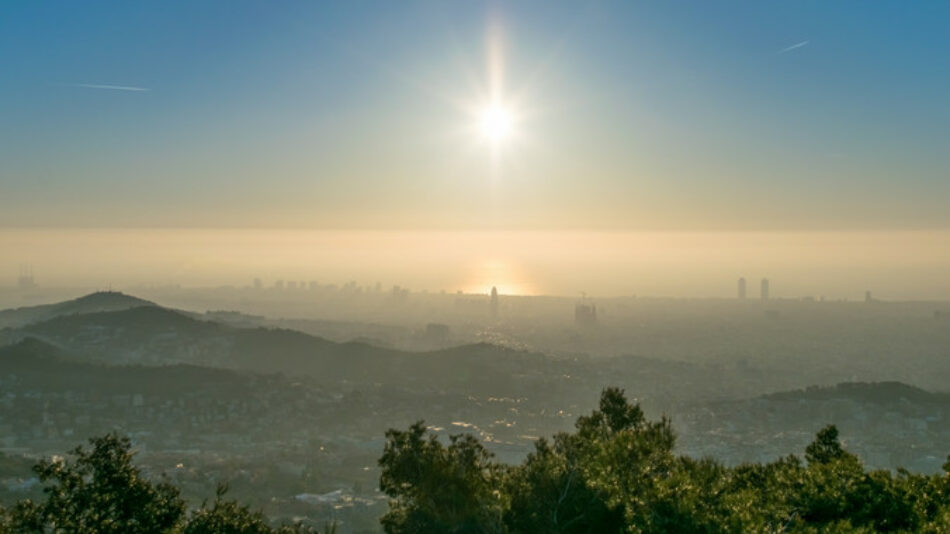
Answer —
148 334
100 301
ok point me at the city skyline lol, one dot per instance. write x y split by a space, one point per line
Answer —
895 266
489 266
616 148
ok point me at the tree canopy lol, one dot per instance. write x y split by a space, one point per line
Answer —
617 472
101 491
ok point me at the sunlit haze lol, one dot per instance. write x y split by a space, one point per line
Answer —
896 265
781 126
444 266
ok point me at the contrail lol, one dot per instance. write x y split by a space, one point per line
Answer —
793 47
109 87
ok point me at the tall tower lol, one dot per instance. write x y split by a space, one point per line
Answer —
494 301
741 288
765 289
26 280
585 314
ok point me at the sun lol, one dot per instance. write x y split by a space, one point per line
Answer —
496 123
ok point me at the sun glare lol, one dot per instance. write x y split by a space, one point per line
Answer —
507 277
496 123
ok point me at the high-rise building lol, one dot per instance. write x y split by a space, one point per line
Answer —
585 314
741 288
867 297
26 280
494 301
764 292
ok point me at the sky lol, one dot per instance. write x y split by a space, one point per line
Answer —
626 117
898 265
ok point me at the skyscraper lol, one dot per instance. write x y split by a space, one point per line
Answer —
494 301
741 288
585 314
26 280
765 289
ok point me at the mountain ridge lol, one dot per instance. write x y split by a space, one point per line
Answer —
93 302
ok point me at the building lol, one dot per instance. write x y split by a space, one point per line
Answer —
585 314
494 301
400 294
741 288
25 280
764 292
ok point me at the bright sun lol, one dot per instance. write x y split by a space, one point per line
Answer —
495 123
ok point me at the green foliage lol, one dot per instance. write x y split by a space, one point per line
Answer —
437 488
230 517
618 473
826 448
100 491
551 493
226 517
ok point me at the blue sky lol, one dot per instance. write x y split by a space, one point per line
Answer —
634 115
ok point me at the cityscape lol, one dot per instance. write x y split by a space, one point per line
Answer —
484 267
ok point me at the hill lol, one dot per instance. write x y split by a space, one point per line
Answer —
884 393
886 423
100 301
34 365
152 335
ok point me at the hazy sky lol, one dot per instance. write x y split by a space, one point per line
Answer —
894 265
681 144
363 115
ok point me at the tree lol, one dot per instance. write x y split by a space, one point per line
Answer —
553 491
826 448
230 517
618 473
436 488
225 517
550 492
100 491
